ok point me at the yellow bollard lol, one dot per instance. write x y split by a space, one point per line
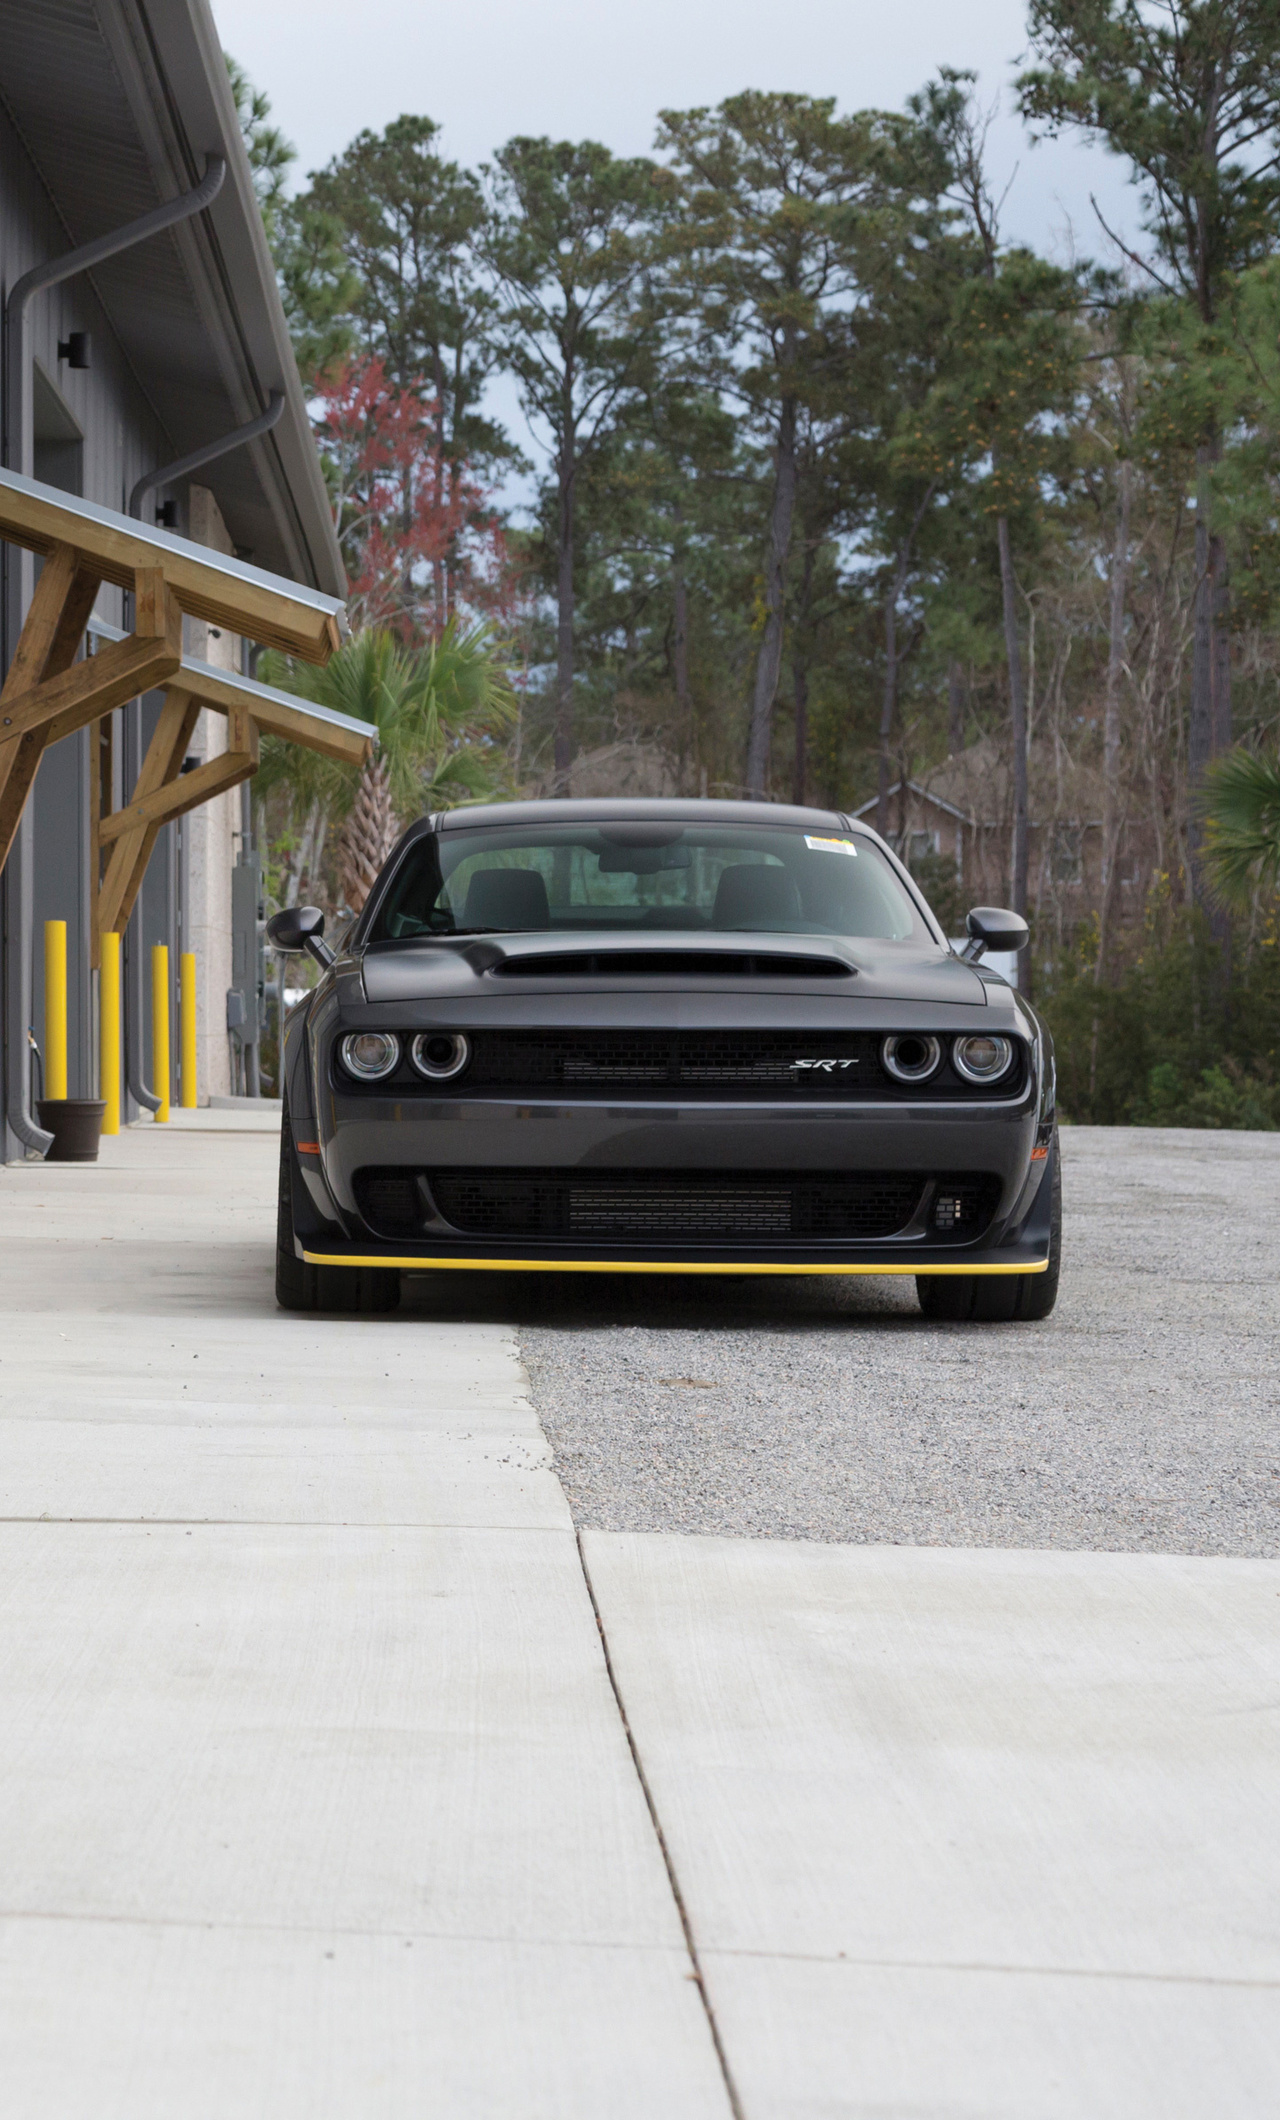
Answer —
187 1026
160 1029
55 1008
109 1033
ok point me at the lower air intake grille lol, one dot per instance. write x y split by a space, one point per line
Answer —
610 1206
625 1204
391 1201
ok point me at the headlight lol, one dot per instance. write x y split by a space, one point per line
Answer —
982 1059
369 1055
910 1057
440 1055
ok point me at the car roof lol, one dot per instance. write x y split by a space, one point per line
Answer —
591 809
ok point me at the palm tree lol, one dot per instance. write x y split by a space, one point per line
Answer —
1242 824
440 711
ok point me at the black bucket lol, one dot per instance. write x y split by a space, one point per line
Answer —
76 1126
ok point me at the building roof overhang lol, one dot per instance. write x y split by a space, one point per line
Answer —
119 105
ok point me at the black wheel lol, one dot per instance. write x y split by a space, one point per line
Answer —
369 1290
993 1299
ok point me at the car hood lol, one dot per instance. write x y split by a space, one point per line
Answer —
535 964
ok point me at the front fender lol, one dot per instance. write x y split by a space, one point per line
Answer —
314 1210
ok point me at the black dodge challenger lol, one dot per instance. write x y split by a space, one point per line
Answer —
663 1037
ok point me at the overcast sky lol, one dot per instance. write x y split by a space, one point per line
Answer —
599 69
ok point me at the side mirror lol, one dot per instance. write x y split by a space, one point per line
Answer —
300 927
991 928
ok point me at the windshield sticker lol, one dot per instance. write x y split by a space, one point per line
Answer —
829 846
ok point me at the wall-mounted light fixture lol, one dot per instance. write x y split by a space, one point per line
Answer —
77 350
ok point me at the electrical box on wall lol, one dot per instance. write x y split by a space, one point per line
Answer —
248 969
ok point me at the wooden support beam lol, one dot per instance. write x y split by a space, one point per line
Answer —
164 792
47 647
189 790
226 592
296 720
91 688
225 692
132 849
49 637
101 777
47 695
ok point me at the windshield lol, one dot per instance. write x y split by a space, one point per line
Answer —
611 878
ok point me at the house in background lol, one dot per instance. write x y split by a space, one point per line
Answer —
962 812
110 109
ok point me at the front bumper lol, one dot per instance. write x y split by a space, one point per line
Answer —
584 1136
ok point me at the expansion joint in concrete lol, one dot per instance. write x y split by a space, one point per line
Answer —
731 2090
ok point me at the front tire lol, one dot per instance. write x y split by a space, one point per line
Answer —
367 1290
993 1299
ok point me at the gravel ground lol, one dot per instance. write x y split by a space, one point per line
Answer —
1143 1416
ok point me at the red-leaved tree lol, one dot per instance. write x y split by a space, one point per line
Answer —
421 541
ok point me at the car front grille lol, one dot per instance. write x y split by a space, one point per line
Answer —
687 1066
610 1206
799 1061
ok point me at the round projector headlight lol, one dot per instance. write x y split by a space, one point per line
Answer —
440 1055
982 1059
910 1057
369 1055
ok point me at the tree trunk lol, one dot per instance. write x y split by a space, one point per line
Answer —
769 659
889 697
1200 728
1018 852
1220 735
439 571
680 628
889 701
564 615
800 770
955 708
369 832
800 680
1112 806
1220 713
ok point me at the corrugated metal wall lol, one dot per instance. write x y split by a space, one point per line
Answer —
121 439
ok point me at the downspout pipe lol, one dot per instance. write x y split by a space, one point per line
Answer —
134 971
206 455
17 375
19 880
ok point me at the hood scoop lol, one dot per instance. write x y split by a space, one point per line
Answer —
671 964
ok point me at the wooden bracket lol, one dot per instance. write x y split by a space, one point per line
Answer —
47 646
48 695
131 850
164 792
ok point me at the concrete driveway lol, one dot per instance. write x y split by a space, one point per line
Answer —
343 1775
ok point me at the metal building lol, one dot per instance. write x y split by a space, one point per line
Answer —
119 370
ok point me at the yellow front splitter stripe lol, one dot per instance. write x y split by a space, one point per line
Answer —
420 1265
